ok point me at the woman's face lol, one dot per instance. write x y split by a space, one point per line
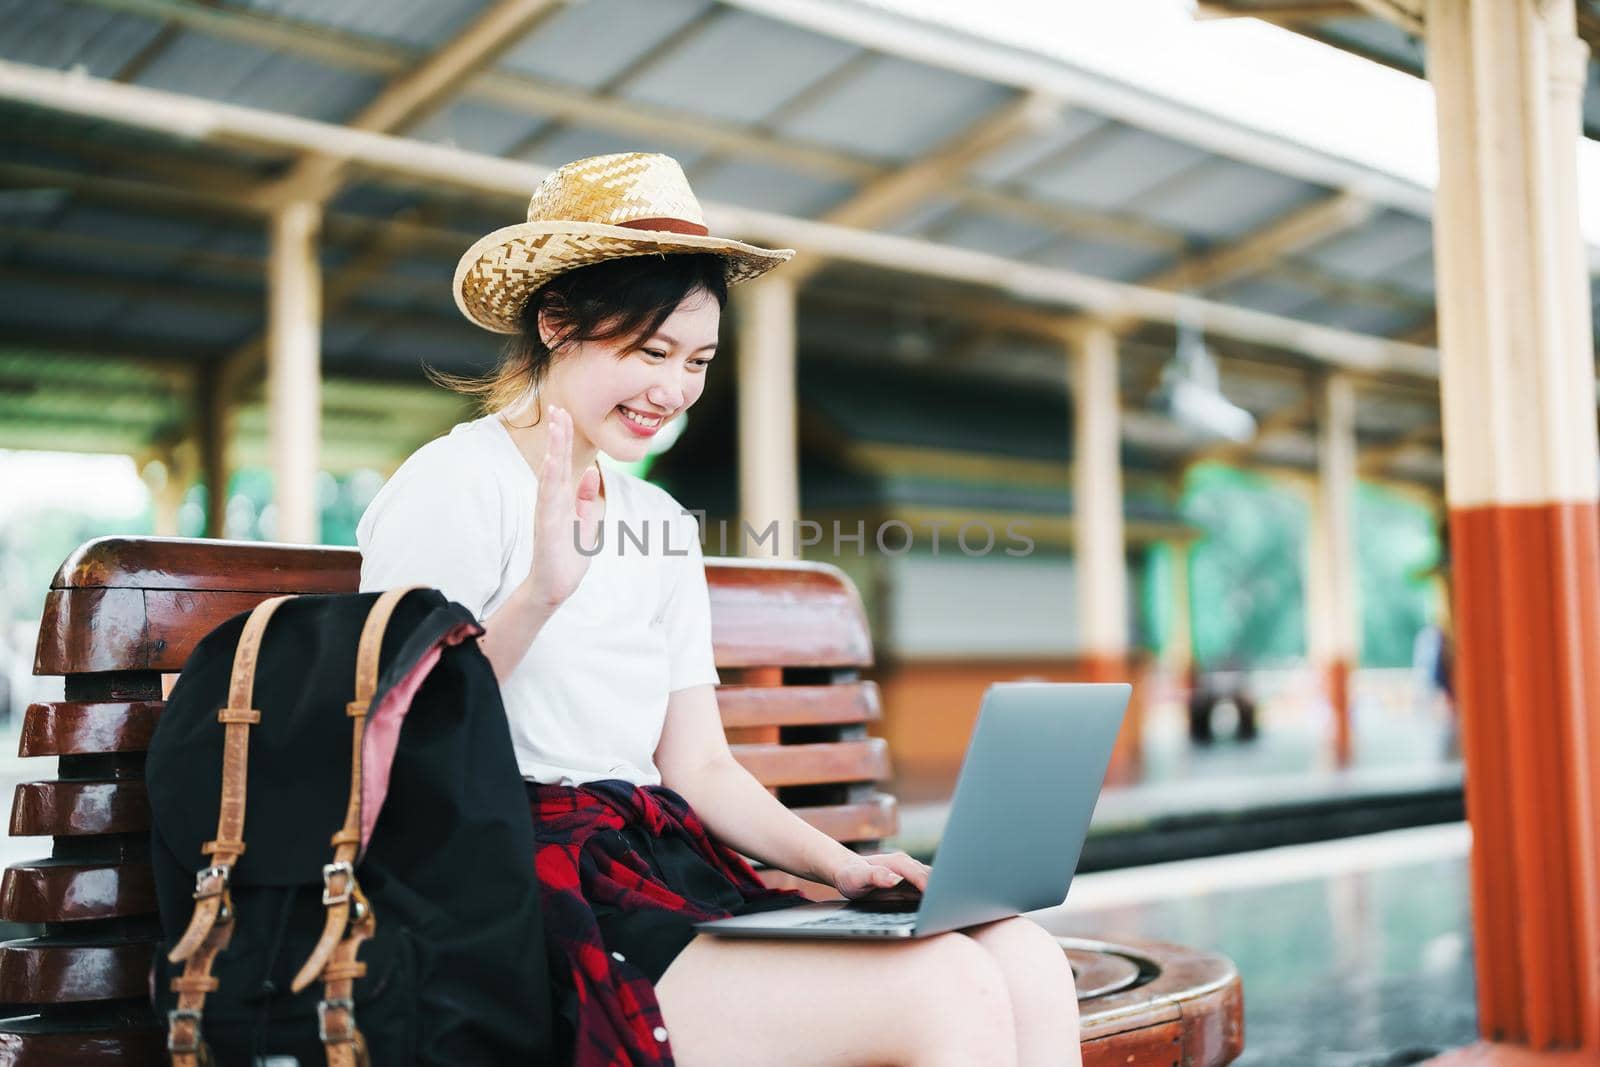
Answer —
653 380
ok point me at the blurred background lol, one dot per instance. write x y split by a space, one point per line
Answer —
1152 281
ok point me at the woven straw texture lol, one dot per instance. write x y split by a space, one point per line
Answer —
577 217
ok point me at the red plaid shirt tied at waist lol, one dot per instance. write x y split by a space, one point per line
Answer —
619 1020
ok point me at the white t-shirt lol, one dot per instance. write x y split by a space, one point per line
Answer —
589 698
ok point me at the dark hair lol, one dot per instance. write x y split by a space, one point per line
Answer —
629 297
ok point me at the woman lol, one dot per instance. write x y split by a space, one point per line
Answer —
615 291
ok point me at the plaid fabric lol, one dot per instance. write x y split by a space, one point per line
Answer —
619 1020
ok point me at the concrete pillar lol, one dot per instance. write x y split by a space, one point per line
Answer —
1178 653
294 377
769 451
1333 620
1518 396
1102 571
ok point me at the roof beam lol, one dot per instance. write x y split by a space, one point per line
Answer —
415 95
173 113
1260 249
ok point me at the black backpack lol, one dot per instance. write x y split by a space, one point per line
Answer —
343 914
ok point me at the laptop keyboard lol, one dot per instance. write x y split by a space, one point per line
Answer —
868 919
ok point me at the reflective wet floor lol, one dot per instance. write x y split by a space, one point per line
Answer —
1354 953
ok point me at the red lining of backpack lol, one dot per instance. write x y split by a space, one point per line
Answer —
382 734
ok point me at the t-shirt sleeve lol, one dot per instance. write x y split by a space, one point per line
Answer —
686 614
438 523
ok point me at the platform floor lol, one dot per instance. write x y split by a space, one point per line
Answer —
1354 953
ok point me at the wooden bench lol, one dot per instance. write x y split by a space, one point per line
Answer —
791 640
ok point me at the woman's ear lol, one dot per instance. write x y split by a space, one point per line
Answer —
549 329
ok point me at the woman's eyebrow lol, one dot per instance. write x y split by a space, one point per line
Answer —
673 341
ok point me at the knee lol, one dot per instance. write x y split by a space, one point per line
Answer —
964 978
1030 957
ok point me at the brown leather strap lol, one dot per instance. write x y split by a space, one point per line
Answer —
211 925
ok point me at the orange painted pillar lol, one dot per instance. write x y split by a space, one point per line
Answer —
1333 620
1521 482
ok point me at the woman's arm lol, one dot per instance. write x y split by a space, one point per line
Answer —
695 762
511 629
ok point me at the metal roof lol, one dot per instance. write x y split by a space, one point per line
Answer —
129 244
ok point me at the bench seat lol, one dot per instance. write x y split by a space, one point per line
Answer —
123 613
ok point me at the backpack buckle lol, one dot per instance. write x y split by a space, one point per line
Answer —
343 1036
174 1017
329 872
217 871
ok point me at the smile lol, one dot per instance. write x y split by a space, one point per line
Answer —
649 422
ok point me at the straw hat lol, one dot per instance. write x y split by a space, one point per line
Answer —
594 209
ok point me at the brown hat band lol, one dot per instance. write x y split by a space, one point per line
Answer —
671 224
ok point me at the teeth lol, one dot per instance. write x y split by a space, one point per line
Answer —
628 414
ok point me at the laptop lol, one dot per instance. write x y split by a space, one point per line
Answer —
1018 819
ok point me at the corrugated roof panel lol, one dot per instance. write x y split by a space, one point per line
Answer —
894 109
372 199
1388 240
1112 166
238 241
182 321
69 35
566 143
1413 276
589 44
419 23
160 231
1023 153
1266 293
38 303
1001 235
1222 200
1362 318
768 188
738 67
478 127
343 337
413 343
1103 259
240 73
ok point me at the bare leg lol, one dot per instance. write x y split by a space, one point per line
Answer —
936 1002
1044 1000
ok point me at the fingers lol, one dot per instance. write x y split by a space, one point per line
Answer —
899 863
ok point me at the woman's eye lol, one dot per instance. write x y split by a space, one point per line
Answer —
704 363
653 352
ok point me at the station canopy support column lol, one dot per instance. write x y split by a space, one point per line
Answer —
1333 619
1521 483
1102 573
294 375
769 451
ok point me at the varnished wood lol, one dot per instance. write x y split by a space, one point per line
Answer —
30 1042
74 808
871 821
70 728
130 604
798 705
61 970
866 760
59 890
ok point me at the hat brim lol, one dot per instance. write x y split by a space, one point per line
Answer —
502 269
